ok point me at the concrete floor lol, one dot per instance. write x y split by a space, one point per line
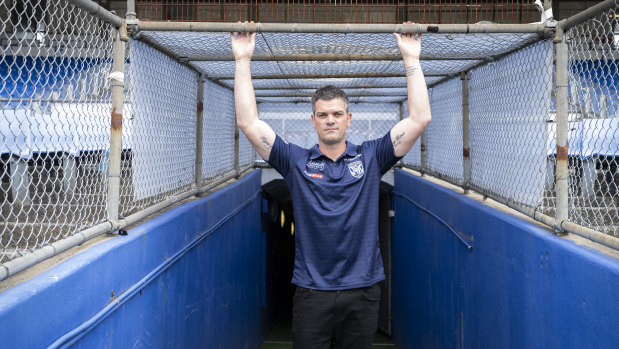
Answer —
280 337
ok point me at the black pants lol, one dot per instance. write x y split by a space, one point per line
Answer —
335 319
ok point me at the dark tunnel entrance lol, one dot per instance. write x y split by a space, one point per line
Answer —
278 228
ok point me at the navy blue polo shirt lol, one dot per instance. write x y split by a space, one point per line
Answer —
335 208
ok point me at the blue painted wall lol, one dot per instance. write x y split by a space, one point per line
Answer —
519 287
188 278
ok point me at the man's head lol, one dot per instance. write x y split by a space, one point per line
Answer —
331 117
328 93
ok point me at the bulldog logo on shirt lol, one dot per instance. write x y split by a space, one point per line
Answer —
356 169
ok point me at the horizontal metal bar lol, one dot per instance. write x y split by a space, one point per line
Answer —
321 57
94 9
586 15
335 76
341 28
16 265
361 86
349 95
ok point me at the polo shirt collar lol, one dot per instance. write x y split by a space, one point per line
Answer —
351 150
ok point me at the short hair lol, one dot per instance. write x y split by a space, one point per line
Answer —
327 93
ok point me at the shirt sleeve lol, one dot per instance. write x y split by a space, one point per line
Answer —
279 158
385 153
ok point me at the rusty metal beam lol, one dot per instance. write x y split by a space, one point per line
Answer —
341 28
118 86
561 172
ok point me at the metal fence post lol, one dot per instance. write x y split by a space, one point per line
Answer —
401 117
118 85
466 151
237 168
423 150
199 129
561 172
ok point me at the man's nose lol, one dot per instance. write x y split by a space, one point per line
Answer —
330 119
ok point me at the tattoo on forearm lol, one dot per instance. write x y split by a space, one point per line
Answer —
265 143
411 70
398 140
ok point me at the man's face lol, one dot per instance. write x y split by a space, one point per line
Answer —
331 120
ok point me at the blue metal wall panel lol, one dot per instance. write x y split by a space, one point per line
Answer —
519 287
206 297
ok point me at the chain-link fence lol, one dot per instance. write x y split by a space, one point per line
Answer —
54 107
593 139
496 113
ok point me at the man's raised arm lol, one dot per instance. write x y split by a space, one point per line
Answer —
405 133
258 132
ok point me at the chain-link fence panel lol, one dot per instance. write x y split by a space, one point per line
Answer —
593 140
413 157
509 108
292 121
163 154
218 131
247 154
54 120
444 134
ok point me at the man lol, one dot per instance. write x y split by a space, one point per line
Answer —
334 188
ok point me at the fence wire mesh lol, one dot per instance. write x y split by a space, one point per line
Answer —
444 134
217 131
593 140
54 105
509 108
292 121
163 99
413 157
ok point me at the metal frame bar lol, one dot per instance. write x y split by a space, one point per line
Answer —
349 95
322 57
466 150
199 130
118 86
333 76
561 172
361 86
586 15
342 28
97 11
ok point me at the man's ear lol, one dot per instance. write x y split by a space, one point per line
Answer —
349 118
313 122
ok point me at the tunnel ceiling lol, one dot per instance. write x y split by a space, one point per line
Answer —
288 67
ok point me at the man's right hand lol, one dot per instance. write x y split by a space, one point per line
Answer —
243 44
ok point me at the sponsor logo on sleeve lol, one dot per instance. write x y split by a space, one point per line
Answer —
356 169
